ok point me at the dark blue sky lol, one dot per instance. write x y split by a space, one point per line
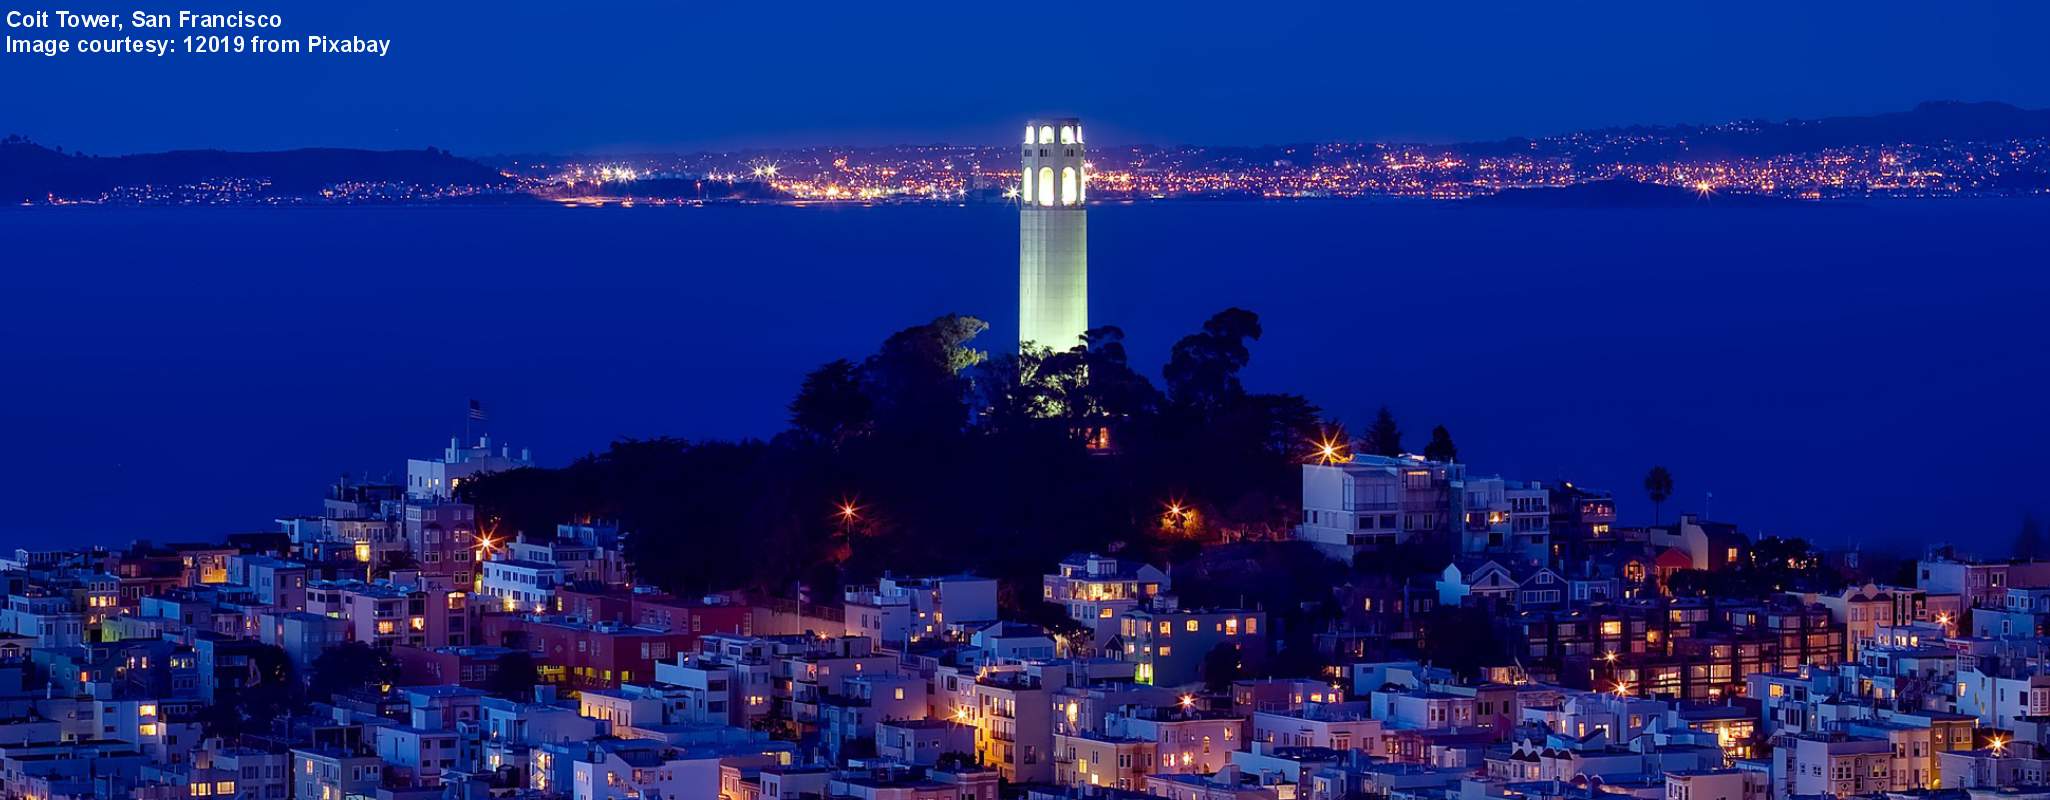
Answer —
487 77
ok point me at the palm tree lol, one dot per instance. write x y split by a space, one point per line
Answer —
1658 485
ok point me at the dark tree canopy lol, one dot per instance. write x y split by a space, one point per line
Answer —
514 676
1441 447
270 689
950 460
831 406
350 666
915 380
1384 437
1220 667
2028 542
1203 370
1658 485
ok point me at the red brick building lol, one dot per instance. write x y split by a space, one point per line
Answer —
580 655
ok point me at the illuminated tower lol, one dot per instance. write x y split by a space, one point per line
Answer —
1053 236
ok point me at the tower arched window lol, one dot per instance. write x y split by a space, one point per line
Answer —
1068 186
1067 134
1046 186
1046 134
1028 134
1026 191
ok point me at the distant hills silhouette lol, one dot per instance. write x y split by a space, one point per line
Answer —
29 171
1929 123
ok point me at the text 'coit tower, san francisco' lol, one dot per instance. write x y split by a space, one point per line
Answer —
1053 236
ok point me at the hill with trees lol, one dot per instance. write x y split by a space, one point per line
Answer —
931 456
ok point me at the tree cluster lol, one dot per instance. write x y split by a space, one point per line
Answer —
930 456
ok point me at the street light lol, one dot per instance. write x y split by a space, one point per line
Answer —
1177 516
1332 450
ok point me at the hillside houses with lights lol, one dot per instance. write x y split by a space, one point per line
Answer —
1540 649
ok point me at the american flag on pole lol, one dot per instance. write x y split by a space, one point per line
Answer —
476 411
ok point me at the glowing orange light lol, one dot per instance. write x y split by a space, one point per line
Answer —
1333 450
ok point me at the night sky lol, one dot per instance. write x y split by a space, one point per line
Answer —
524 76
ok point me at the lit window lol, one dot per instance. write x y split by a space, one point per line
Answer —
1067 134
1068 189
1046 134
1028 134
1191 626
1046 186
1027 191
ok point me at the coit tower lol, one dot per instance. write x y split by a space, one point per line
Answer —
1053 236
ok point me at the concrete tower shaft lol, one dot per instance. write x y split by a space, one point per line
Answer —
1053 235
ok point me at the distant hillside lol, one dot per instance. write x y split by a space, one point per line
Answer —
1928 123
30 171
1625 194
